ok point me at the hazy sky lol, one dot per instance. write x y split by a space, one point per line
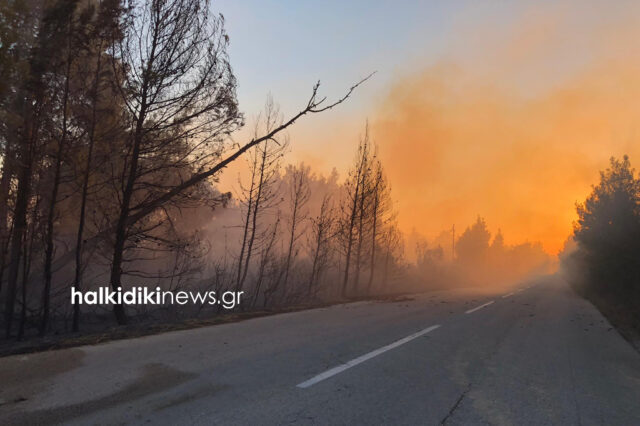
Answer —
494 108
282 47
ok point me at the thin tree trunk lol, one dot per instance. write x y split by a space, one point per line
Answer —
360 235
386 267
361 165
246 226
77 279
263 262
25 277
121 228
26 268
115 277
254 224
48 273
5 180
20 221
352 222
292 237
374 230
314 266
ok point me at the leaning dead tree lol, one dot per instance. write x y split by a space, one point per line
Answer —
316 104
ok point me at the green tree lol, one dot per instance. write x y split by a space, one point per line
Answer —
607 234
472 246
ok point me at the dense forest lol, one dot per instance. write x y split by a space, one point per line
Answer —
476 258
116 120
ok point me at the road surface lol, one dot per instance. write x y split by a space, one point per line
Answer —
535 356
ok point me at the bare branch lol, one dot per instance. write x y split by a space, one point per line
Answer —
311 108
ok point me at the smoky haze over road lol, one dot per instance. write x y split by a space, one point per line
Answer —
531 355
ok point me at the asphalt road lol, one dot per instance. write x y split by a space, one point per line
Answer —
538 356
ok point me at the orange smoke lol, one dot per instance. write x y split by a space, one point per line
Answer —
459 143
513 124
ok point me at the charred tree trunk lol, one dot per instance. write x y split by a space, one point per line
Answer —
20 215
263 262
355 201
26 269
356 277
25 277
314 267
8 161
247 220
48 274
254 224
350 229
292 234
374 231
77 279
300 195
386 267
121 228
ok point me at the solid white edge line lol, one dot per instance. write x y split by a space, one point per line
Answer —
478 307
342 367
507 295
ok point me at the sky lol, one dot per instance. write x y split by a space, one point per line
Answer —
506 110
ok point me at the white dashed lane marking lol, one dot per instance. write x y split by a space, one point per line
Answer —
340 368
470 311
